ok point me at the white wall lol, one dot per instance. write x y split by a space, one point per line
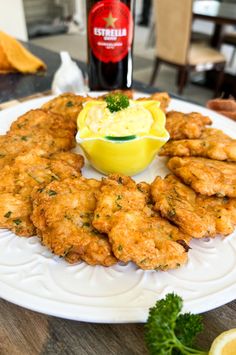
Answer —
12 18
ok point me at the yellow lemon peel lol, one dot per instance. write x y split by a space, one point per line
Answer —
224 344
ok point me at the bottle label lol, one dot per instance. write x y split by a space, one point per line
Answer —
110 30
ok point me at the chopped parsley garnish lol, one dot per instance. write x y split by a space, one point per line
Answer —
86 224
17 221
116 102
24 138
8 214
69 104
52 193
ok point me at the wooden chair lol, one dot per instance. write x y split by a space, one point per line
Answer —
173 33
230 39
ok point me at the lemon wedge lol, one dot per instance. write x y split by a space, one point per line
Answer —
224 344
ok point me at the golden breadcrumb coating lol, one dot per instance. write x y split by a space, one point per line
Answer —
118 193
135 231
213 144
186 125
223 209
46 120
63 213
68 105
73 159
15 210
129 93
206 176
17 181
162 97
151 242
177 202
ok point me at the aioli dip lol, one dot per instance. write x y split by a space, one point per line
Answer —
134 119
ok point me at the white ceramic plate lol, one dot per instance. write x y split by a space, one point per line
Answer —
32 277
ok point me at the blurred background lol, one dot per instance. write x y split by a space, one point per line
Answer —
61 25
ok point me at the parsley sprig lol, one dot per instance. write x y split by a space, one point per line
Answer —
116 102
168 332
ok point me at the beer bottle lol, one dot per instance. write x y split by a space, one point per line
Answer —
110 25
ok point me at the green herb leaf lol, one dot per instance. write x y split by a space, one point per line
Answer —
187 326
52 193
69 104
86 224
8 214
168 332
116 102
120 248
24 138
17 221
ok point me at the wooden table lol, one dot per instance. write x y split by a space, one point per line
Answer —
24 332
219 13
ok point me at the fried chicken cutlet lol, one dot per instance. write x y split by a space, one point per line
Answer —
135 231
128 93
177 202
63 213
36 122
223 209
213 144
151 242
118 193
186 125
39 131
17 181
206 176
68 105
162 97
39 119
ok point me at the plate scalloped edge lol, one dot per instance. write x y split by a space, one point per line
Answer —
32 277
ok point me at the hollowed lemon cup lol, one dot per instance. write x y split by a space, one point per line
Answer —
125 155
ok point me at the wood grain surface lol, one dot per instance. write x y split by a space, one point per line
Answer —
24 332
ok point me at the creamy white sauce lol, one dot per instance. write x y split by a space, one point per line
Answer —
134 119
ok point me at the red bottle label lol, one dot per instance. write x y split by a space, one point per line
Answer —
110 30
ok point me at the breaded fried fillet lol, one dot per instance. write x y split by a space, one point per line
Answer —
224 211
177 202
17 181
128 93
151 242
38 131
40 119
73 159
41 142
135 231
213 144
206 176
117 193
68 105
63 213
186 125
162 97
15 210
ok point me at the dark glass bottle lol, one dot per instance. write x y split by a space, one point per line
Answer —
110 25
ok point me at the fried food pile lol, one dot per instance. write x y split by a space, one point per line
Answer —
200 194
43 193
